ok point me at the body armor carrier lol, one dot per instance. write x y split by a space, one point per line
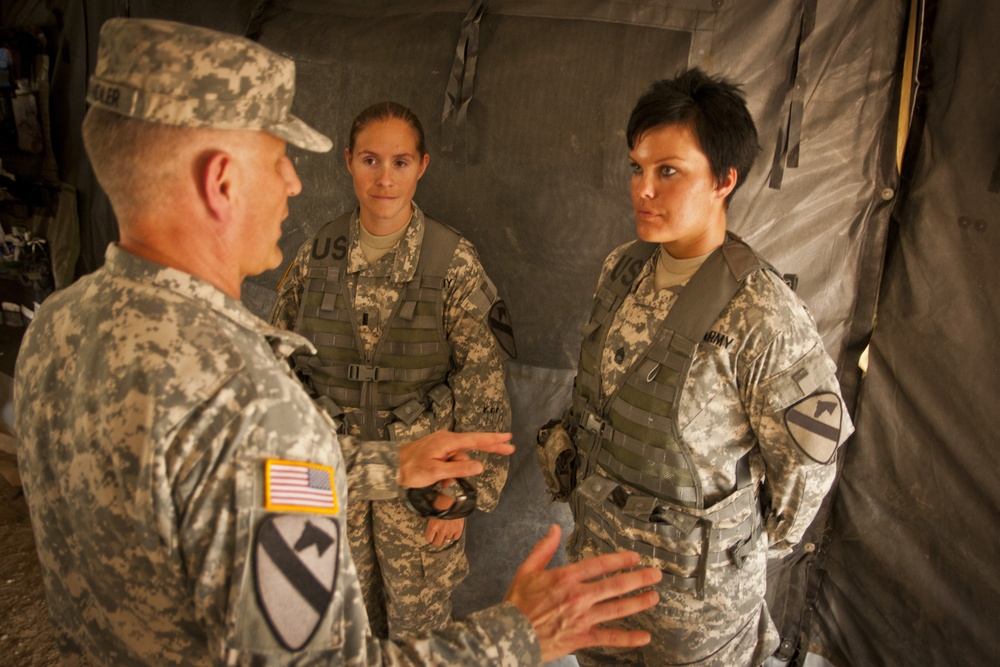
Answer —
408 366
632 437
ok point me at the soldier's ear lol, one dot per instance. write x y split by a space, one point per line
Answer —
216 178
424 161
726 185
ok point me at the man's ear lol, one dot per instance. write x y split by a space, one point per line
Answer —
217 181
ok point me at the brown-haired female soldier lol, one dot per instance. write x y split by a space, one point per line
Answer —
399 306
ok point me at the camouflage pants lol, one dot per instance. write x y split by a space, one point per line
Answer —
407 582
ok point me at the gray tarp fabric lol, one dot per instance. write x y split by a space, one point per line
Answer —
913 564
525 104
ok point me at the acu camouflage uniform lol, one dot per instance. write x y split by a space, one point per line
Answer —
148 404
407 581
760 359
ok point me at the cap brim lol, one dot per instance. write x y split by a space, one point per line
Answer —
297 133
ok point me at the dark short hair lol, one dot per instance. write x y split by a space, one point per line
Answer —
714 109
384 111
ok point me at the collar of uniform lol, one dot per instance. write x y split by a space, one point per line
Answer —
644 286
123 263
404 257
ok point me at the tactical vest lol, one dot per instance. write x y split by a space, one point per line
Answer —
411 360
632 437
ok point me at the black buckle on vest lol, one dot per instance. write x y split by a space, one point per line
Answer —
361 373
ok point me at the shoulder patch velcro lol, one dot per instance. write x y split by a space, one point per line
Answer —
295 486
814 424
502 328
296 561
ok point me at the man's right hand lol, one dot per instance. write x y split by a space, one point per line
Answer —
443 456
566 604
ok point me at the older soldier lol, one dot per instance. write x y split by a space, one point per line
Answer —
706 414
411 336
188 498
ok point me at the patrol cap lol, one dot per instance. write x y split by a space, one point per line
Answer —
180 74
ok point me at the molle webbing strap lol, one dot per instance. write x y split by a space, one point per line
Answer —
656 464
324 297
419 349
420 308
362 373
668 483
587 382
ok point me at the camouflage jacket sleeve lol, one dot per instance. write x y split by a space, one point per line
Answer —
227 599
372 468
477 381
793 400
290 290
499 635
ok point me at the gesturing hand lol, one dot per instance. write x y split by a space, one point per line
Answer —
566 604
443 455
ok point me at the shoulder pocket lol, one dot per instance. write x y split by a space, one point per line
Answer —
800 380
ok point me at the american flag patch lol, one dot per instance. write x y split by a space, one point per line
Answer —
299 487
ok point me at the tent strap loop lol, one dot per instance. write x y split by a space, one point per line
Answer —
786 149
458 95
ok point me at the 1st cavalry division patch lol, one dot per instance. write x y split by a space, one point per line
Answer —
296 559
814 424
500 324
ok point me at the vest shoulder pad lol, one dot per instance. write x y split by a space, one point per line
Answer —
438 247
744 260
